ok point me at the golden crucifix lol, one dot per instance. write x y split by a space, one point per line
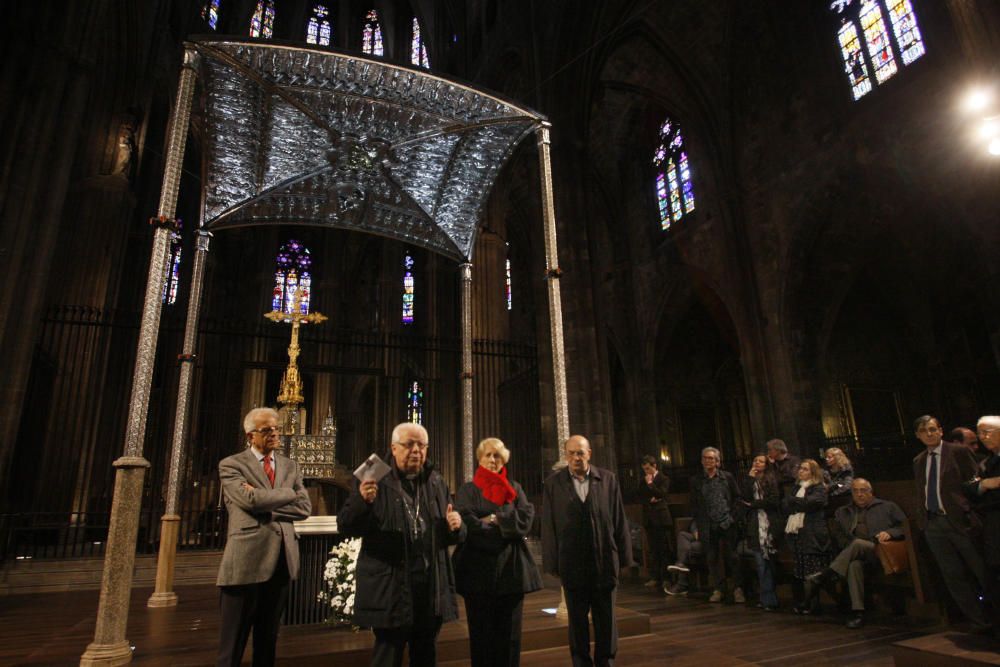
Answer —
290 395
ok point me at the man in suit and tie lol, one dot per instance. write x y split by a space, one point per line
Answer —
585 542
946 516
264 495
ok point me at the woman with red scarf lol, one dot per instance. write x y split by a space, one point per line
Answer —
493 567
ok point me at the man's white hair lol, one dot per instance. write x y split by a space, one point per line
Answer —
718 454
255 415
406 426
989 420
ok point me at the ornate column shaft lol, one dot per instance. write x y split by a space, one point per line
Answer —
110 646
468 456
552 273
164 595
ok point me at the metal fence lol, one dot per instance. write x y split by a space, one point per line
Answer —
73 422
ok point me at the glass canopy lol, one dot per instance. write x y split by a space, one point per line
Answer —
295 135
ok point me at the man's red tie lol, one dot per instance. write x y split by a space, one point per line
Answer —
269 470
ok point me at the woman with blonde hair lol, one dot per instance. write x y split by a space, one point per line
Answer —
807 532
493 567
839 473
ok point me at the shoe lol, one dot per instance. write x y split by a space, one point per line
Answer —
716 596
675 590
856 621
738 596
652 583
679 567
769 608
801 609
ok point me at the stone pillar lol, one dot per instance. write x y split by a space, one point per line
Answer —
110 646
552 275
468 457
164 595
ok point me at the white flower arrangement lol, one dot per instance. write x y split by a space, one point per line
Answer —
339 582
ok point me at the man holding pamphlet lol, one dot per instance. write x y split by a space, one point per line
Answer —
405 583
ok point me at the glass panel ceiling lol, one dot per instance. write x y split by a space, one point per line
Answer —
294 135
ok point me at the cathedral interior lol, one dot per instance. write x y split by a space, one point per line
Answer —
769 227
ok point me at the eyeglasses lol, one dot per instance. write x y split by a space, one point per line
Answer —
266 432
411 444
987 431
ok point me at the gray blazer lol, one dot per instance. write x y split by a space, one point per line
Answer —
260 521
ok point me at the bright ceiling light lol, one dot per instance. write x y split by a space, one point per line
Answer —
990 128
995 146
978 99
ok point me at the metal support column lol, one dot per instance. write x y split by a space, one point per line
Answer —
468 462
110 647
553 273
164 595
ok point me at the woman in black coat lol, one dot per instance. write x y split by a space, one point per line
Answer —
761 496
839 475
807 531
493 567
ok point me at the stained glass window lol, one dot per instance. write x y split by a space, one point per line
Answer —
507 284
318 30
173 270
868 46
408 289
674 192
879 48
904 27
210 13
415 403
418 50
292 274
262 22
371 35
854 59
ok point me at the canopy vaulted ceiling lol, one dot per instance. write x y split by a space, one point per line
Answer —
303 136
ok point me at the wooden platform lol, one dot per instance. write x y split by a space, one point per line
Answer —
947 649
54 629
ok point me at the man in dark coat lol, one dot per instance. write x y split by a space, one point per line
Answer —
858 527
786 466
984 489
653 491
716 509
585 542
405 582
945 514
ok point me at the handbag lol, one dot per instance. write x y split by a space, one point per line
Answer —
894 556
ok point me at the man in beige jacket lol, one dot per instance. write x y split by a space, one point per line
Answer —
264 495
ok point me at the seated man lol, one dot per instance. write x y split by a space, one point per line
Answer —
857 528
687 547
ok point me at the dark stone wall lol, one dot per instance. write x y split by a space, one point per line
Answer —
836 244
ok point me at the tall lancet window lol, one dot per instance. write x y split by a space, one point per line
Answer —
415 403
371 35
210 13
674 193
262 22
418 50
319 29
408 289
506 284
292 272
874 36
173 270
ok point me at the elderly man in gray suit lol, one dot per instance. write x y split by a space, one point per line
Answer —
264 495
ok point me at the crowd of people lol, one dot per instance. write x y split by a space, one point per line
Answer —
833 525
420 548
